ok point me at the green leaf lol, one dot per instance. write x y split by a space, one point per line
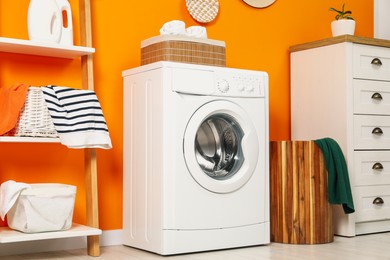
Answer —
342 14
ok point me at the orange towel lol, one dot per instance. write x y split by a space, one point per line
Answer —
12 100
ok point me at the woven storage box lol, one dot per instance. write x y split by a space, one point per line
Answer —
34 119
183 49
43 207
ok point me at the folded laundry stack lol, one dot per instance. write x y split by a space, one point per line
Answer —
174 27
73 115
12 100
77 117
180 44
177 27
197 32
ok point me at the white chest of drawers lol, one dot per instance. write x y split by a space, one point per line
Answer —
340 88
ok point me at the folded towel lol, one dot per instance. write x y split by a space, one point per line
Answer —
339 189
174 27
9 193
197 32
12 100
77 117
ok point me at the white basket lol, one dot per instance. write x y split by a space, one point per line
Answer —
43 207
34 119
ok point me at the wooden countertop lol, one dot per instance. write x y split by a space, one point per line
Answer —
340 39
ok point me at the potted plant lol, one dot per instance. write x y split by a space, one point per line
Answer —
344 23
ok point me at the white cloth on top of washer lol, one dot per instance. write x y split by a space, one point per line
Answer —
177 27
174 27
197 32
77 117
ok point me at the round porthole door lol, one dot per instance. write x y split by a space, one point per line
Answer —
220 146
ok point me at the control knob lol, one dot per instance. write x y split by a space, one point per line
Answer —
250 88
240 87
223 86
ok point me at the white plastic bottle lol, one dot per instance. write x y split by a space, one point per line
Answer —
66 22
44 21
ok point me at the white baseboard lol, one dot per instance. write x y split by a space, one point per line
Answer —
111 238
108 238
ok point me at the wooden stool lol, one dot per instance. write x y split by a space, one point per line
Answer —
300 212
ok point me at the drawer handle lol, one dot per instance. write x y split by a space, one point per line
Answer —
378 201
377 166
376 62
376 96
377 131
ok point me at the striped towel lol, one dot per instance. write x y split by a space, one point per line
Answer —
77 117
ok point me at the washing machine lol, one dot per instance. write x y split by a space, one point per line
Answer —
196 158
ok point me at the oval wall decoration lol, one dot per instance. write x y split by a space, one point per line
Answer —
203 11
259 3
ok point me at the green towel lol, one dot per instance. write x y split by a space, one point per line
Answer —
339 189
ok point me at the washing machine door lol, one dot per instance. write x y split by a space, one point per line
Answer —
221 146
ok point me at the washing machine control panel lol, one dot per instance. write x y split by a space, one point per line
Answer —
237 83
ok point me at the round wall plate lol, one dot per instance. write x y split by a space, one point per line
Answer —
203 11
259 3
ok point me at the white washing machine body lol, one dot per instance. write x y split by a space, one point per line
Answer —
196 158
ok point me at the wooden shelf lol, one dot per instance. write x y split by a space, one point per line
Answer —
43 49
8 235
17 139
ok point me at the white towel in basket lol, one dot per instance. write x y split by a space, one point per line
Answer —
174 27
9 193
77 117
197 32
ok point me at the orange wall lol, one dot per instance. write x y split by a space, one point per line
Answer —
256 39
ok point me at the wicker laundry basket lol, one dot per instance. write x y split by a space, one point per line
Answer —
34 119
183 49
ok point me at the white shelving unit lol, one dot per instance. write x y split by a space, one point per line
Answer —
43 49
26 47
14 139
10 236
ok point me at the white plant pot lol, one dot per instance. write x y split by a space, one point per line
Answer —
341 27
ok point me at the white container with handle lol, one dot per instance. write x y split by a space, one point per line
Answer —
66 22
44 21
50 21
